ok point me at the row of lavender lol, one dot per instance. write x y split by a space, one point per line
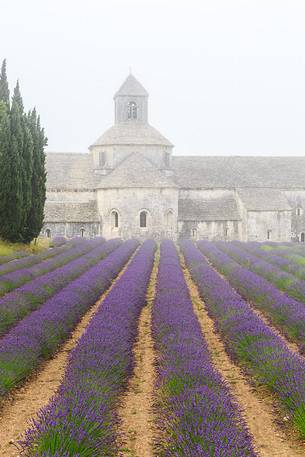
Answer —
12 256
81 419
245 335
14 279
15 305
39 334
285 313
286 259
197 415
30 260
269 266
56 242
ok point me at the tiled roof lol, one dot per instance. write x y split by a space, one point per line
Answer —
69 171
132 133
71 212
131 86
264 200
212 209
239 172
136 171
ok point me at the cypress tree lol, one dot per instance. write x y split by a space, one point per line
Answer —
22 167
10 178
26 162
4 89
4 167
39 176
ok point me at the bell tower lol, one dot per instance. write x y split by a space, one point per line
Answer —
131 102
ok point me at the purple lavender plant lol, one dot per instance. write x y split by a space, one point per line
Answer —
59 241
32 259
11 280
38 335
197 415
16 305
81 419
246 337
285 313
13 256
269 267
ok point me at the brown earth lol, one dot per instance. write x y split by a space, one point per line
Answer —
136 412
24 403
266 424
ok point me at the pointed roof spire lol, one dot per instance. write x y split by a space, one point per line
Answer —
131 86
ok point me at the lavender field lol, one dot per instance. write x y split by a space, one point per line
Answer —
117 348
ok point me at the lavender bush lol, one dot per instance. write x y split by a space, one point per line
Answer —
271 269
286 259
32 259
81 419
246 337
13 256
285 313
17 304
58 241
198 416
39 334
11 280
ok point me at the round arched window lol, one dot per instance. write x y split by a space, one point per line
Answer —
114 219
143 219
170 219
48 233
132 112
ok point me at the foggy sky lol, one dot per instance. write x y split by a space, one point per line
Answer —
224 76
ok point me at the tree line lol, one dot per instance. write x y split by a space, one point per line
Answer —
22 167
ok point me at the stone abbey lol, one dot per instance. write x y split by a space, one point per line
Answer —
130 184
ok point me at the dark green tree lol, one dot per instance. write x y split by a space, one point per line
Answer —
10 175
36 213
22 167
26 161
4 89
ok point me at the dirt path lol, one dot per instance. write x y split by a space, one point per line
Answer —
136 411
25 402
271 439
262 314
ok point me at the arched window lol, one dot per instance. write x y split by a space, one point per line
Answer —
82 231
132 112
170 219
114 219
269 234
48 233
143 219
102 158
302 237
194 234
299 211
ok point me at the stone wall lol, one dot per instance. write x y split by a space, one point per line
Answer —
71 229
277 223
129 203
210 230
296 199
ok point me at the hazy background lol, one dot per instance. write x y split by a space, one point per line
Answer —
224 76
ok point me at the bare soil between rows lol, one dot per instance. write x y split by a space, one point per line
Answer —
23 404
258 407
137 431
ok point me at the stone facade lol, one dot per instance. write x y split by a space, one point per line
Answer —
131 185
